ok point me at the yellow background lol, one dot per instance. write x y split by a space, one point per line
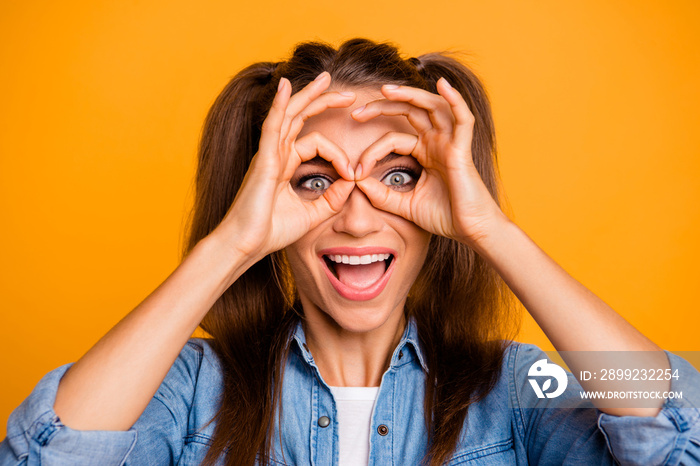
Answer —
596 108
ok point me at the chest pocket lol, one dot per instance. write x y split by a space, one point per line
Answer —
194 450
496 454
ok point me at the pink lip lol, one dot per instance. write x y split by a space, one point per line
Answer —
358 294
363 251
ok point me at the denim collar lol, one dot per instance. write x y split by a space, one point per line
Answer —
408 350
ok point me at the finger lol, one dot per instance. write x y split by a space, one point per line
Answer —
393 141
464 119
331 202
417 117
384 198
313 144
272 126
324 101
309 93
437 107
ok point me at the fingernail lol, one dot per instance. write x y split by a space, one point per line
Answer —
358 110
280 85
350 171
320 76
347 93
390 86
446 82
358 171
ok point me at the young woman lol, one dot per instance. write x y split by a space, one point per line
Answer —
349 258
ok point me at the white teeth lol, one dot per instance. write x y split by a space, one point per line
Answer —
356 260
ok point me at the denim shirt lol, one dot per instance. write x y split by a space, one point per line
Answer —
505 428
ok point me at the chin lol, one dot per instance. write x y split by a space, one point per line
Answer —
363 321
356 317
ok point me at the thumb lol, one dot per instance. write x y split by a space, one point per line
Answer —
385 198
331 202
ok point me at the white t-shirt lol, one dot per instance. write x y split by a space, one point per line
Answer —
355 406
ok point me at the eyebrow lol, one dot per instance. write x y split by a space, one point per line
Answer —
389 158
318 162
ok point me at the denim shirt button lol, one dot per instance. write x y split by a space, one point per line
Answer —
323 421
382 430
400 354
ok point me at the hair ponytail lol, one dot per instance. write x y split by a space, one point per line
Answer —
432 67
461 305
250 322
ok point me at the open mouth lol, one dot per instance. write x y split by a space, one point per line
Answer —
359 277
358 271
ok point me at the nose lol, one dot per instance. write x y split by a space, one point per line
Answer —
358 217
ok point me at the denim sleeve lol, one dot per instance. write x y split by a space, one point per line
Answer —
569 430
671 437
35 434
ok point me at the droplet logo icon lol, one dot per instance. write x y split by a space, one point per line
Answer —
541 369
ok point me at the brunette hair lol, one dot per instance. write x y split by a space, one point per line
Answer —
461 306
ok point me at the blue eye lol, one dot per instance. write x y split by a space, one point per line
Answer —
399 179
316 184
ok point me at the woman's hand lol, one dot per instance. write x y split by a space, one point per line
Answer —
449 199
266 214
111 385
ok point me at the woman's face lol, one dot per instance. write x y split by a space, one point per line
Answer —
355 269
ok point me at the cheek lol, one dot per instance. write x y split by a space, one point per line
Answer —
300 267
417 243
421 245
300 253
417 240
295 261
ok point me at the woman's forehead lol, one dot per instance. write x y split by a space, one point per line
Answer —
337 124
